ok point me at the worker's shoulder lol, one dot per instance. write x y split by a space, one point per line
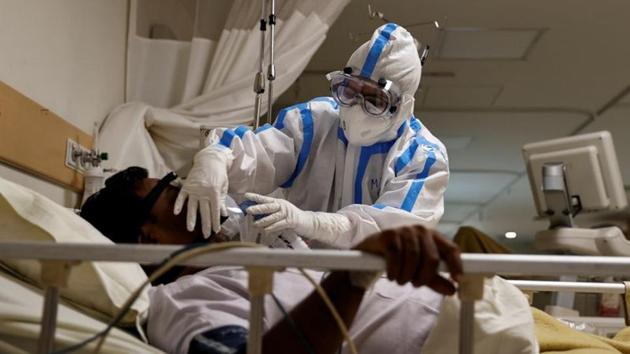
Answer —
418 134
315 109
418 130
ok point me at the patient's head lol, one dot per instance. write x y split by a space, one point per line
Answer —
133 208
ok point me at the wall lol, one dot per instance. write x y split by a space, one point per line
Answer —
69 56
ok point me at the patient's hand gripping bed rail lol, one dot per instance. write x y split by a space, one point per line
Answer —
476 266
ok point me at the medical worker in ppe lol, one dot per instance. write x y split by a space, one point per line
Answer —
350 165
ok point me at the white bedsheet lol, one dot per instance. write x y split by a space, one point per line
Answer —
20 314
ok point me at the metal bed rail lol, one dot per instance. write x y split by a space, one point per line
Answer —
476 266
570 286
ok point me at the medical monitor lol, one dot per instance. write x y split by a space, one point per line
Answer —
591 171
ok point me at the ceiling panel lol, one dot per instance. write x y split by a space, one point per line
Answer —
497 137
475 187
458 212
487 44
472 96
625 100
456 142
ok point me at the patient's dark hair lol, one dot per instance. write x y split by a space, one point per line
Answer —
115 209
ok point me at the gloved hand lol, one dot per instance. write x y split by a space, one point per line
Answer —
333 229
206 188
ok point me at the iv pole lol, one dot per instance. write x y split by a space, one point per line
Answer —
271 70
259 80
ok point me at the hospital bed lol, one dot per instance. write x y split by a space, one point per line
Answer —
62 257
476 266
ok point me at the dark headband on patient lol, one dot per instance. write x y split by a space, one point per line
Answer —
117 211
149 200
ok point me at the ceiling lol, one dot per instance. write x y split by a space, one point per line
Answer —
501 74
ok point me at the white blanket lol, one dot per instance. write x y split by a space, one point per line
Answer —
20 316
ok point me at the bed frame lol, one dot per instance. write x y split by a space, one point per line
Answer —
59 259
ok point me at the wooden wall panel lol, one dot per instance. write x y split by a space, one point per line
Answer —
33 139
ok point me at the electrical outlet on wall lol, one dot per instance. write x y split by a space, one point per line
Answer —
74 151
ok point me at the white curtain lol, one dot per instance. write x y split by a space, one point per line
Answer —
176 85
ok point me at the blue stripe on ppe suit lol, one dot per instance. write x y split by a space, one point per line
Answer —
307 127
341 136
364 158
307 130
377 49
241 130
263 128
227 137
406 157
416 187
279 123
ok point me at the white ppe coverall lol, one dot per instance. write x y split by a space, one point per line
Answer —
384 185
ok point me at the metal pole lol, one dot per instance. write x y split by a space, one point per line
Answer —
470 290
49 321
271 70
563 298
578 287
466 326
256 330
259 80
260 282
504 264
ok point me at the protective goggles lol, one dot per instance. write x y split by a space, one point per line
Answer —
378 98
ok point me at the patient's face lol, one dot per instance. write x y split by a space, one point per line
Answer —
163 227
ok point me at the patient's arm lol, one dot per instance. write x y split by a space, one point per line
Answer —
412 255
314 320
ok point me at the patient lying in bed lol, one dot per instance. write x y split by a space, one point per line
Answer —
207 312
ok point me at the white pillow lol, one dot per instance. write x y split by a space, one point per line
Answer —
102 286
